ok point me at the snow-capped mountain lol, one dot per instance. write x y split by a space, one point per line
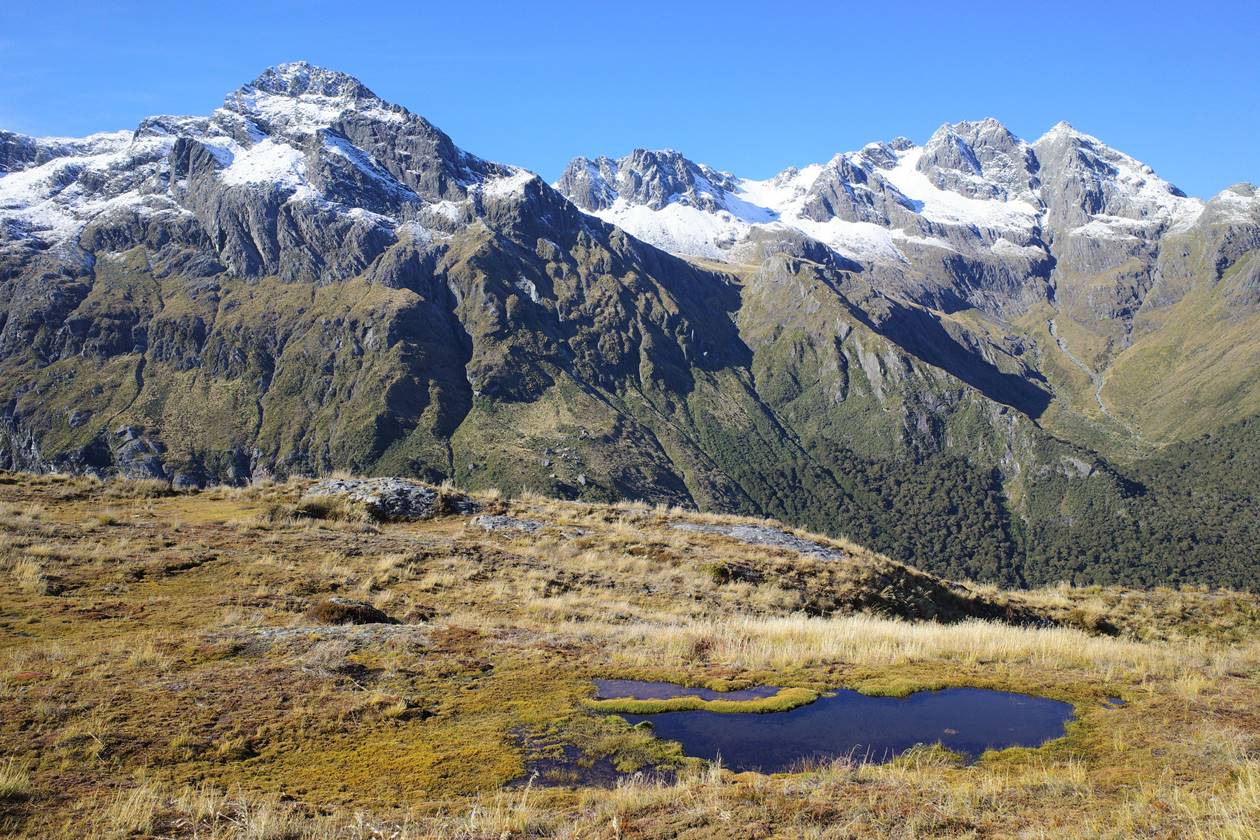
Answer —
972 187
298 153
147 248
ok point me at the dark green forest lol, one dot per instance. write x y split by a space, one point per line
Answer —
1184 516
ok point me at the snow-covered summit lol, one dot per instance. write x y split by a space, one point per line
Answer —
53 186
1092 189
300 97
1237 204
980 159
864 204
652 177
301 78
308 140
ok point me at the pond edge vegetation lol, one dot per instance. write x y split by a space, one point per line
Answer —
784 700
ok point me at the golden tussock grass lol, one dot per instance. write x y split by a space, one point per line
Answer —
15 782
833 800
793 641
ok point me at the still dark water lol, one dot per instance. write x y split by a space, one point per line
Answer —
848 724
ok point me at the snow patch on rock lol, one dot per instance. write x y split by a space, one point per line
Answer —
272 162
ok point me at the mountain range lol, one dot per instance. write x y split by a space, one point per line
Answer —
1009 361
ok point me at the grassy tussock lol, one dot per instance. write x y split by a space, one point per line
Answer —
334 508
869 801
15 782
138 488
28 574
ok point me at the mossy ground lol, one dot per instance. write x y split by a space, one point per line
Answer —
159 676
784 700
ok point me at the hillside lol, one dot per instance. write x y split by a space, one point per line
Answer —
977 355
175 665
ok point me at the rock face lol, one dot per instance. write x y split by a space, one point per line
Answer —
312 279
394 499
981 160
975 218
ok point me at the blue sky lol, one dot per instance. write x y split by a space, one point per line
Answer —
751 88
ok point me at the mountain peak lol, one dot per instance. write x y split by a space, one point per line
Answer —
1064 130
299 97
651 177
986 132
973 127
979 159
301 78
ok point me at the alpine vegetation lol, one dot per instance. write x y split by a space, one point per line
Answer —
239 663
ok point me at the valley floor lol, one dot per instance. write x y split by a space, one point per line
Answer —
169 668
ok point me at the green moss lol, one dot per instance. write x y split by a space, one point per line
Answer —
784 700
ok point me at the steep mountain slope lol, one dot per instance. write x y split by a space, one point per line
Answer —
1062 247
257 293
312 279
1061 278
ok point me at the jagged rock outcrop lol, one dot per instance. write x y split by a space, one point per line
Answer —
653 179
981 160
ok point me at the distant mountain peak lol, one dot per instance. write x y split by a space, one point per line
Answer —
1061 127
1064 131
973 188
315 141
979 159
654 178
973 128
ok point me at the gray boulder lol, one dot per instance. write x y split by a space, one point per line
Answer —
394 499
507 523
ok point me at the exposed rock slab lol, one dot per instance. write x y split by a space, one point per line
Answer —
499 522
765 535
395 499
